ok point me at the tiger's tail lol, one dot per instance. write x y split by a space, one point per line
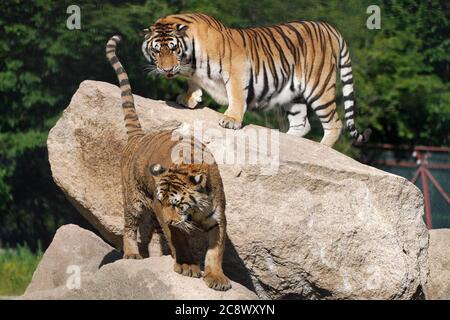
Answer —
346 74
131 118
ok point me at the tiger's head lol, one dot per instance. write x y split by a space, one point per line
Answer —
165 47
181 194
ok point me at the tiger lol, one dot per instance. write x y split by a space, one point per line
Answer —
160 179
290 65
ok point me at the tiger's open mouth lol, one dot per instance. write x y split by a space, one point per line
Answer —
170 75
184 218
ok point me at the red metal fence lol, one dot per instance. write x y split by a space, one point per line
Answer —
421 161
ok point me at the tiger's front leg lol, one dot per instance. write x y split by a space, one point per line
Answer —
214 276
184 260
179 249
192 97
237 92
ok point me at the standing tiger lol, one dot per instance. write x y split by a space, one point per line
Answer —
161 179
291 65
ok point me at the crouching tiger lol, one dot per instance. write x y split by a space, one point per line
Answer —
292 65
181 195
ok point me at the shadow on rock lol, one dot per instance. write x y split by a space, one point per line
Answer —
110 257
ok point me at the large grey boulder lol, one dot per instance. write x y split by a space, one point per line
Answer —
79 265
439 254
318 226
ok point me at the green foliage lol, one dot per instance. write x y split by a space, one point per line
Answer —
401 75
405 75
16 269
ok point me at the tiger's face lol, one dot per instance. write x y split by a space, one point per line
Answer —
182 195
165 48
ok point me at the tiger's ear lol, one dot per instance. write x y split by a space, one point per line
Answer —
181 27
198 179
146 33
157 169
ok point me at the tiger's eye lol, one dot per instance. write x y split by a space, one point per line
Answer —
156 47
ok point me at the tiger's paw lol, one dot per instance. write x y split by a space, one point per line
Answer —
230 122
217 281
134 256
188 270
189 102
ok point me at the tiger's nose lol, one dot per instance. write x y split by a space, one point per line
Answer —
167 70
175 200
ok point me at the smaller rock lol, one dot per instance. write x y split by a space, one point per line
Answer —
72 248
103 276
439 257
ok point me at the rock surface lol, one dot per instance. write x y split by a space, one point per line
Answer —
103 276
439 254
318 226
71 247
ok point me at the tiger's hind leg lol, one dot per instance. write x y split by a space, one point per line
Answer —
132 218
332 125
298 118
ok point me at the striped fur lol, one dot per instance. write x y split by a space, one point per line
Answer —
292 65
162 177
